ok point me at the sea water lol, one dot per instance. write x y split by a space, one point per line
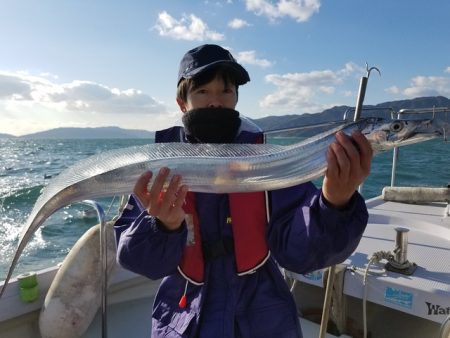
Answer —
26 167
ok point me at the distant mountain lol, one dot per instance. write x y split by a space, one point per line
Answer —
90 133
7 136
266 123
337 113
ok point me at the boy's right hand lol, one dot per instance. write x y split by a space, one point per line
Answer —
165 205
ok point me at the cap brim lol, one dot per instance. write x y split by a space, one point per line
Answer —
242 76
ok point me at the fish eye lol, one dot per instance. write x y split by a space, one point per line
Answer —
396 126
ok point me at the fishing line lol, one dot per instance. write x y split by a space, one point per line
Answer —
376 258
110 205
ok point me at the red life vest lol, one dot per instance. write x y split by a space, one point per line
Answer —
248 220
249 234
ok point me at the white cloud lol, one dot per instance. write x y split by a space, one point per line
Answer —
326 89
49 75
77 95
393 90
298 91
89 96
14 87
189 27
428 86
249 57
238 23
299 10
348 93
37 102
424 86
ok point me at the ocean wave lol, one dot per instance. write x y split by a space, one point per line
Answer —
23 195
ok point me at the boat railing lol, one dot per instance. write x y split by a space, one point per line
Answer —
365 109
345 118
433 111
303 127
103 262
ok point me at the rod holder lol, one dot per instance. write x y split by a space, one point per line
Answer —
104 263
401 245
399 263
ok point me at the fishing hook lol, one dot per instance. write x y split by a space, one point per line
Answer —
362 91
368 70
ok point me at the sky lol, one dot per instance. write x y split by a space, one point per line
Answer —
93 63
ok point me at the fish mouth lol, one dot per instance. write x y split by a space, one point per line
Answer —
417 137
433 129
428 130
444 129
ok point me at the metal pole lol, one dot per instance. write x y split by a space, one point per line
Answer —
327 301
359 104
332 269
444 332
360 100
394 165
395 154
362 91
361 95
103 262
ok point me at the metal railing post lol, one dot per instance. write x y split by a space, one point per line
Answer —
103 262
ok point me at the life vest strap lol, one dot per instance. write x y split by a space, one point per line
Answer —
215 249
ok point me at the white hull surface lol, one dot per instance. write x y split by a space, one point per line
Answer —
397 305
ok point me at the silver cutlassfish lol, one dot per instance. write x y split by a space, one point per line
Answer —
211 168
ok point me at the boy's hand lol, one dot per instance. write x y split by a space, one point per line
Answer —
349 160
165 205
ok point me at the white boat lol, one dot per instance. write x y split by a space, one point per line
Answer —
395 284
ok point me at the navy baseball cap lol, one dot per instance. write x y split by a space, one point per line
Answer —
205 57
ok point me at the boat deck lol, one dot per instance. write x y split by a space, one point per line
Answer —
413 305
425 293
422 298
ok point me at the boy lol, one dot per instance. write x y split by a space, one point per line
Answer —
217 253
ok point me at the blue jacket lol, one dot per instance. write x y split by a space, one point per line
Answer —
303 235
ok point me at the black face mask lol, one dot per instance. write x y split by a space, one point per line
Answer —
211 125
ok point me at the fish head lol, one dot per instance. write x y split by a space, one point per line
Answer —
387 134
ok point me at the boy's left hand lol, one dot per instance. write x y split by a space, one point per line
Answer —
349 160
